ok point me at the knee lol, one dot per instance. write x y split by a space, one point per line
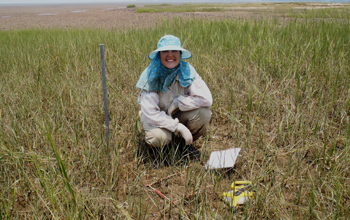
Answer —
158 137
200 118
205 115
199 123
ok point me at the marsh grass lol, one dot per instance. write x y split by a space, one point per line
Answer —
281 93
330 13
181 8
153 5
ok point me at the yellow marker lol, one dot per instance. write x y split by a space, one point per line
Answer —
239 193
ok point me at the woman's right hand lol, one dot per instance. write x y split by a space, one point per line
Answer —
186 134
173 108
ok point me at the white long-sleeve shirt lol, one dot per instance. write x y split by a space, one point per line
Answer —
154 105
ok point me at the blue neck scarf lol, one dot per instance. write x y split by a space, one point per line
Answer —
157 78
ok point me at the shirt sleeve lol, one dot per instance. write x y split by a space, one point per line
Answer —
154 116
199 96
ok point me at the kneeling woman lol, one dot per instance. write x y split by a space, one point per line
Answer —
173 97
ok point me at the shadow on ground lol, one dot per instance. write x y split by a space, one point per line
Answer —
176 153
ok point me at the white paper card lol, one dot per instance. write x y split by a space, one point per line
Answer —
222 159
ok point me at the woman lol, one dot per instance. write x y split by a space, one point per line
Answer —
173 98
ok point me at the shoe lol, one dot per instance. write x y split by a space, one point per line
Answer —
192 153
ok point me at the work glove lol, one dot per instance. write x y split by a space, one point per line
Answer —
185 133
174 107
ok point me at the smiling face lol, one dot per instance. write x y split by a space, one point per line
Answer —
170 58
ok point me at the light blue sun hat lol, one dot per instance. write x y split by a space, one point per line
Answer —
170 42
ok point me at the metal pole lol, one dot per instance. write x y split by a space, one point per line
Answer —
105 100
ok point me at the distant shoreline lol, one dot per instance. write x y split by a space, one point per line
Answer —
142 3
118 16
61 4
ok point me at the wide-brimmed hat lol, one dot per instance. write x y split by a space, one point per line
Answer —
170 42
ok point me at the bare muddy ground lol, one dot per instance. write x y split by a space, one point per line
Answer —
115 16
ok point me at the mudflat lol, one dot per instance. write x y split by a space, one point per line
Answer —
114 16
118 16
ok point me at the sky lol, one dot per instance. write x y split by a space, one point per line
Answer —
30 2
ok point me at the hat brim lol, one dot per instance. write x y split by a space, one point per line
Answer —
184 55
